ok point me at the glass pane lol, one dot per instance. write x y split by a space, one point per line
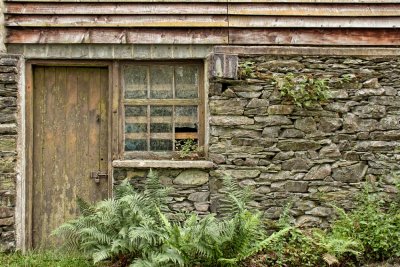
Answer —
135 81
160 145
161 128
186 119
135 128
135 145
186 81
161 82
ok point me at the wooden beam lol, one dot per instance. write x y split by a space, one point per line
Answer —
116 21
313 22
216 1
117 36
115 8
328 10
345 37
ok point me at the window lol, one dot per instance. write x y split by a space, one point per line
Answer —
163 107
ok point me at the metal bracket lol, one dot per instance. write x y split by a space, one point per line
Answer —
96 175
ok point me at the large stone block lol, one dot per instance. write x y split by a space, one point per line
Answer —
350 174
191 178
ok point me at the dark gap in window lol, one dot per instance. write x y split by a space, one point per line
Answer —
185 129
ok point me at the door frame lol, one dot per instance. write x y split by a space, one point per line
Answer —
26 195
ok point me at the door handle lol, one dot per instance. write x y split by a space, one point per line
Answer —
97 175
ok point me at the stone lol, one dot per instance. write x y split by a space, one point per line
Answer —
233 106
271 132
7 221
307 221
183 206
371 83
329 125
273 213
263 189
350 174
278 65
370 92
337 107
318 172
330 151
339 94
273 120
249 94
228 93
376 146
296 164
296 145
6 212
320 212
202 207
390 123
306 125
296 186
231 120
242 174
370 111
292 133
280 109
191 178
8 143
217 158
257 103
284 155
199 196
247 182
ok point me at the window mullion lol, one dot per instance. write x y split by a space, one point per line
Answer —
173 111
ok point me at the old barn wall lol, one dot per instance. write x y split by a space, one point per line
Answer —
8 148
312 157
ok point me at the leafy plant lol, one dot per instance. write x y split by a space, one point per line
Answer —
119 229
187 147
246 70
303 90
377 229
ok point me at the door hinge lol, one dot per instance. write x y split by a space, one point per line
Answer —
97 175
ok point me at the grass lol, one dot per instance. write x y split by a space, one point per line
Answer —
43 259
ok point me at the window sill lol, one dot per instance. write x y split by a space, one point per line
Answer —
172 164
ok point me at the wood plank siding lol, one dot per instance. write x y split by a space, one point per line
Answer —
220 22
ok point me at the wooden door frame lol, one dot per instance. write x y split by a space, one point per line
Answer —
113 98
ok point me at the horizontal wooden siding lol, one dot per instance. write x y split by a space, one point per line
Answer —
289 22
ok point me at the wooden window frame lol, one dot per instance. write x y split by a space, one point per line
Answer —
199 102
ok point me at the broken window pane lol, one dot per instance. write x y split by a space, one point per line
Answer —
161 82
186 81
135 82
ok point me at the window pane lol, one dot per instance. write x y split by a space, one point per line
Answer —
186 118
135 128
135 81
186 81
161 128
135 145
161 82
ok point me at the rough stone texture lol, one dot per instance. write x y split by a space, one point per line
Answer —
312 157
8 155
190 187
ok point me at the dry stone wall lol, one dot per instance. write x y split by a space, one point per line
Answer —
312 157
8 150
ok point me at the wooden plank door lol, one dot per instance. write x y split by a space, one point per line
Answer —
70 140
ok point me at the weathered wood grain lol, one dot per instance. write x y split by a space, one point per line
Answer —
312 22
346 37
118 36
116 21
328 10
217 1
70 141
116 8
281 9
